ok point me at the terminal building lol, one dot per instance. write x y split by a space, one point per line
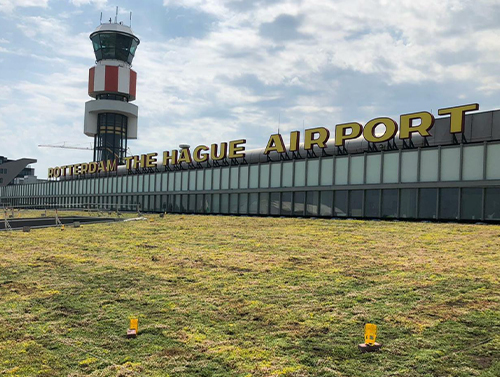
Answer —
441 175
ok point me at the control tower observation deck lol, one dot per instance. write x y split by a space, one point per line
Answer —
110 118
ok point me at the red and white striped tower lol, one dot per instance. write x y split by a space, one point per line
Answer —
111 119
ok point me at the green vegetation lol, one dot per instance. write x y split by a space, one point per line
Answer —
239 296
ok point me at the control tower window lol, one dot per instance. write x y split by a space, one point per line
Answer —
114 46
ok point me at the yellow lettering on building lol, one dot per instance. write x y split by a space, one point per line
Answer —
51 173
215 155
92 167
111 165
128 162
170 159
275 144
406 127
457 116
391 128
198 156
185 156
294 141
235 149
341 134
151 160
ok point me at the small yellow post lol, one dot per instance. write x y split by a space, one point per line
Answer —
134 324
370 333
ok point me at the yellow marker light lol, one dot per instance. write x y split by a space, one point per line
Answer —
370 333
134 324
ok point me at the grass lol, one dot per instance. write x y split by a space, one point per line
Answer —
239 296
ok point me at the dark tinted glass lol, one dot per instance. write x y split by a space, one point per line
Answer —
389 203
356 203
408 204
326 203
427 203
448 203
492 204
312 203
275 203
372 203
340 208
471 202
286 204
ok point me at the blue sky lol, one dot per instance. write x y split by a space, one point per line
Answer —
213 70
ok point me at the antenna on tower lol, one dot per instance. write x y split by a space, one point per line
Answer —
100 21
116 17
130 19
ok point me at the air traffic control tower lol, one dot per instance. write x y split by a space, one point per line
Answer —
111 119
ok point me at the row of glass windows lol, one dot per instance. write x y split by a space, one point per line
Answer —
456 163
425 203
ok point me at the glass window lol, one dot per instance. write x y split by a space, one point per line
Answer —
178 180
264 203
313 172
286 203
158 178
264 175
300 173
312 203
450 164
448 203
340 205
215 203
471 203
253 206
492 159
473 162
243 203
327 171
199 180
216 178
185 178
372 203
409 166
234 177
171 178
244 177
298 203
208 179
492 204
192 203
389 203
356 170
356 203
429 165
275 174
192 180
373 164
254 176
207 203
341 164
391 166
233 203
287 174
184 203
200 207
275 203
152 182
224 203
427 203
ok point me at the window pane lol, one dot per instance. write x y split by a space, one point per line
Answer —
244 177
327 171
372 203
409 166
326 203
492 204
391 165
208 179
178 180
215 203
264 203
313 172
264 175
389 203
224 203
300 173
235 177
275 203
287 174
312 203
164 182
254 176
356 170
275 174
298 203
199 204
192 180
427 203
471 203
408 204
216 178
373 164
356 203
286 203
450 164
254 203
473 163
225 178
429 165
340 207
341 170
492 165
199 180
448 203
243 203
192 203
233 203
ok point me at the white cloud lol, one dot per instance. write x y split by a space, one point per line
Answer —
8 6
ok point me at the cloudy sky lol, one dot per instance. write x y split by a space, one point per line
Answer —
215 70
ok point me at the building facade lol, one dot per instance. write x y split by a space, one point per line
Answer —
442 177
